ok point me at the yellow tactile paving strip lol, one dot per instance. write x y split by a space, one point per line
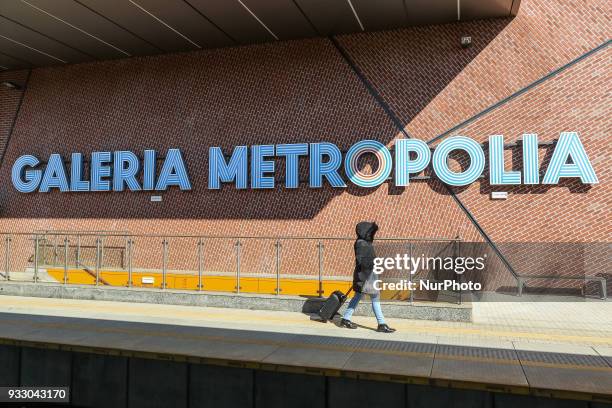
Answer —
283 320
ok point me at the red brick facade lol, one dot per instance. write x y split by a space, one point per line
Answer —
10 99
304 91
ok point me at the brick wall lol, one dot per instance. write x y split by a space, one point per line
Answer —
304 91
9 103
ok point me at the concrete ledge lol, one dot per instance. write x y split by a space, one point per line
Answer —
403 310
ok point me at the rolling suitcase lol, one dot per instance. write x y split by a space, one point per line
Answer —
332 305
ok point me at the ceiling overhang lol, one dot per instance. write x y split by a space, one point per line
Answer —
35 33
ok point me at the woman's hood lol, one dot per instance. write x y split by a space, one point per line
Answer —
366 230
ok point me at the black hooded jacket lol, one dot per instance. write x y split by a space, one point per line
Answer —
364 254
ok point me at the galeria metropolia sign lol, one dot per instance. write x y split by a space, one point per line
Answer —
124 170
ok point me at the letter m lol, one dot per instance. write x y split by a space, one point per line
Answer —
221 171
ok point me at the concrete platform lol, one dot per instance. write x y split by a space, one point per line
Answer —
444 368
404 310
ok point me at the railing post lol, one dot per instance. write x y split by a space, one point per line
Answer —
36 249
456 254
7 257
320 250
66 241
124 253
411 274
101 251
78 252
97 261
129 262
44 249
238 245
200 263
460 290
278 261
164 262
55 250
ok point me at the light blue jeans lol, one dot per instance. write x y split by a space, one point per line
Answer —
375 307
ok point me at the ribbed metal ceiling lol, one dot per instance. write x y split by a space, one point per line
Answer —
37 33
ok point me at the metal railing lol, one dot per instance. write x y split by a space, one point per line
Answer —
261 264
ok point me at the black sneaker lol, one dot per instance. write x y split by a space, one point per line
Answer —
347 324
383 328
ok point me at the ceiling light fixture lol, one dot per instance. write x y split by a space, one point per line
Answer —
11 85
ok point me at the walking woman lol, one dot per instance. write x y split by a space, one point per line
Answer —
363 277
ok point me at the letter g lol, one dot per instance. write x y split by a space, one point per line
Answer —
378 269
31 178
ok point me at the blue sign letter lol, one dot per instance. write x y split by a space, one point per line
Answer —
384 163
76 173
173 172
497 174
150 165
318 169
55 175
98 171
127 174
31 178
403 165
218 170
569 145
531 160
292 152
259 166
477 161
